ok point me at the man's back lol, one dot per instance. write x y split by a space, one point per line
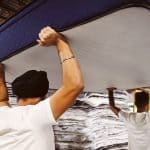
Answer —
138 125
27 127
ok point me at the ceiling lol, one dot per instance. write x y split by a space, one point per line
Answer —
9 8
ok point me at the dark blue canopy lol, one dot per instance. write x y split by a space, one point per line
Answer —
21 31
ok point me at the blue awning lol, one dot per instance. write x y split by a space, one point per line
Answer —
22 30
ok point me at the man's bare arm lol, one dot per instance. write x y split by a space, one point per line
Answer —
73 83
3 88
115 109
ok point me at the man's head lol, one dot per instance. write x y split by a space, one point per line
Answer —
142 100
31 85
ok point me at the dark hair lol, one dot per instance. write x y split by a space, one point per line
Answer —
31 84
141 99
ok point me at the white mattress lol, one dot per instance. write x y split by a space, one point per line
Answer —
113 51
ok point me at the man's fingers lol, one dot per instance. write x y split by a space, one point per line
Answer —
2 65
111 88
41 35
40 42
44 36
47 36
48 30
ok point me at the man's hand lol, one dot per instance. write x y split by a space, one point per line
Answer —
111 88
115 109
3 88
2 69
48 36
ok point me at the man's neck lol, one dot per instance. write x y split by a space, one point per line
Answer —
140 110
4 103
28 101
21 102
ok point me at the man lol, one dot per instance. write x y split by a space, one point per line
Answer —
29 126
138 124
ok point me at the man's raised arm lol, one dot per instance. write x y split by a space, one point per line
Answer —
73 83
115 109
3 88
